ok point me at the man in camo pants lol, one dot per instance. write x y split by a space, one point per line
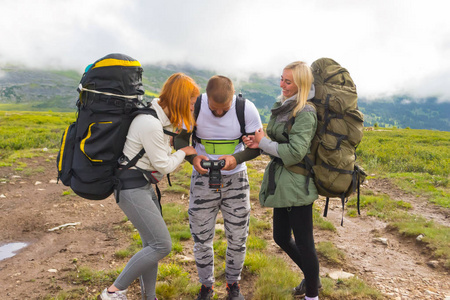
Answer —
217 137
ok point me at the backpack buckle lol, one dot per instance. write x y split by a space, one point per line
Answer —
128 106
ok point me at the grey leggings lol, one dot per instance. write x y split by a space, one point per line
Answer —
141 207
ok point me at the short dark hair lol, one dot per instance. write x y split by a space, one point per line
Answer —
220 89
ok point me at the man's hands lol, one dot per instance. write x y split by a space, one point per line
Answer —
196 163
230 163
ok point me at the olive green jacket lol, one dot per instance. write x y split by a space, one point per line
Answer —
290 187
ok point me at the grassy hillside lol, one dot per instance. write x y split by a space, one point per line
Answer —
55 90
418 160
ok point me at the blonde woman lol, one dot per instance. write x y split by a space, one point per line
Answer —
140 204
284 187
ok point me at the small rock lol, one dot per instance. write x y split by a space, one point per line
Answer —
433 263
220 227
52 270
15 176
37 183
431 293
419 237
186 259
53 181
383 241
45 149
340 275
2 196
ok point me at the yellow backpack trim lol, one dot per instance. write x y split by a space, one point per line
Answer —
83 141
63 145
109 62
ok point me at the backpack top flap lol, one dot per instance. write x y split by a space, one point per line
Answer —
115 73
334 86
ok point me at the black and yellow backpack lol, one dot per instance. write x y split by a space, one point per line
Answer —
110 96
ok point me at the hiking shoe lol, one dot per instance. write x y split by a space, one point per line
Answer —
119 295
206 293
300 290
234 292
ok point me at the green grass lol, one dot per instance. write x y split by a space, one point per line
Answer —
257 226
349 289
181 180
406 150
275 278
320 222
434 187
172 284
256 243
417 160
255 178
330 253
87 276
31 130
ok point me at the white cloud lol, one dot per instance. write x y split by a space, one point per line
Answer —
388 46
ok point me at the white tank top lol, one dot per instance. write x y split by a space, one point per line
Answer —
227 127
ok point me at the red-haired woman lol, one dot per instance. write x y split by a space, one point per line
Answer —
174 109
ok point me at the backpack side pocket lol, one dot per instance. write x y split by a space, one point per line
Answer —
65 155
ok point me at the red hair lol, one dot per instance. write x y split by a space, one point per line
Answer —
176 95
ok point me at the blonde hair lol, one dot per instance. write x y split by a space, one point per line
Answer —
220 89
176 95
303 79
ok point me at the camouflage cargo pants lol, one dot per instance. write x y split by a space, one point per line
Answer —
233 199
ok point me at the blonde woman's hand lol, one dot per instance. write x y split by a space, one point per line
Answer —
249 141
259 134
252 141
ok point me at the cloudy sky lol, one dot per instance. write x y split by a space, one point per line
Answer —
389 46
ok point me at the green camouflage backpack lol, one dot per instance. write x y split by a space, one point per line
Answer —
332 162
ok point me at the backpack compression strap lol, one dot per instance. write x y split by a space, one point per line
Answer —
140 154
82 89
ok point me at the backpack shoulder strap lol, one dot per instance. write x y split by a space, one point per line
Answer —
197 106
240 112
151 111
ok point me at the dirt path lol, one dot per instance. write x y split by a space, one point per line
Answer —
32 204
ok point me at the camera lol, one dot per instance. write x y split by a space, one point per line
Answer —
214 166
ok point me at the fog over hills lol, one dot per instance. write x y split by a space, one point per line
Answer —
38 89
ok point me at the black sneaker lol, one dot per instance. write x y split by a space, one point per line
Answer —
300 290
234 292
206 293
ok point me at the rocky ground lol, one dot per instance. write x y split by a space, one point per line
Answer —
32 205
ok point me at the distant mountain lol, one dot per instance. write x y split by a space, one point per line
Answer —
31 89
405 111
